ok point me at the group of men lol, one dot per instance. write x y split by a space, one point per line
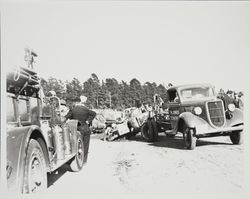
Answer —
231 97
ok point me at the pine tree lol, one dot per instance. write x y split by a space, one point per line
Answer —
74 89
54 84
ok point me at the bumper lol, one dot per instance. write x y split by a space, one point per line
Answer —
203 130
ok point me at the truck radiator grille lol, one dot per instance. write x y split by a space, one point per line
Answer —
216 113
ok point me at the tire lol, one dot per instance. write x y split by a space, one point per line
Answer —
35 170
189 139
86 142
236 137
149 131
155 131
145 131
129 126
78 161
132 129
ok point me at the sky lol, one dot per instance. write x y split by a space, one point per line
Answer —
162 42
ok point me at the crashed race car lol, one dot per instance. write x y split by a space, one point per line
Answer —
110 124
133 121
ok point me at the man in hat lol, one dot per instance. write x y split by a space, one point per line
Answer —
84 116
63 109
241 100
227 98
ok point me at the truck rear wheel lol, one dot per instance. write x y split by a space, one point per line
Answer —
236 137
35 171
149 131
78 161
189 139
155 131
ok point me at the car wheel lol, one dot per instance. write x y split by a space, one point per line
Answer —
78 161
236 137
35 170
189 139
149 131
129 126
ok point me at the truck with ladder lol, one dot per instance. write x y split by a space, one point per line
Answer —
38 140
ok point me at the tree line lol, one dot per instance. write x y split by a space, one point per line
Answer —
105 94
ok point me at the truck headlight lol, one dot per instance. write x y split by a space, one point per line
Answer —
231 107
197 110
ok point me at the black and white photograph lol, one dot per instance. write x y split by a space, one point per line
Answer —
125 99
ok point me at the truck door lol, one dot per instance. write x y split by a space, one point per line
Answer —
173 107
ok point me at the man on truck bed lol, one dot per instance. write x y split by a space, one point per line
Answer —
85 116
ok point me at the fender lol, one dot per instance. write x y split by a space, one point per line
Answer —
192 120
17 145
237 118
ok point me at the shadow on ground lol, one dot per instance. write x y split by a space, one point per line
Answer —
178 142
165 141
56 175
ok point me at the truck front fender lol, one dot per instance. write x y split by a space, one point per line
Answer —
190 120
17 145
237 118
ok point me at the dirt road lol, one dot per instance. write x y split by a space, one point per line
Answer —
138 169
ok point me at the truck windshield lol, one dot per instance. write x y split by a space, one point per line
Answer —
197 93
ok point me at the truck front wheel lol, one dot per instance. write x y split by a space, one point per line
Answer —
35 172
236 137
78 161
189 139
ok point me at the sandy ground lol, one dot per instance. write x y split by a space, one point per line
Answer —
137 169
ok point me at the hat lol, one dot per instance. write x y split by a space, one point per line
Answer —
240 94
83 98
229 92
51 93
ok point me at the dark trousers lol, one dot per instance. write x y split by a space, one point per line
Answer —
85 131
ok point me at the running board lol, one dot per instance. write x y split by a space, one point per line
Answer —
59 163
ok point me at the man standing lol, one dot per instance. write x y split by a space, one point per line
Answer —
84 116
241 100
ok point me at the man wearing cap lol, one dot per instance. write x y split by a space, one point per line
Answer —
84 116
227 98
241 100
63 109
